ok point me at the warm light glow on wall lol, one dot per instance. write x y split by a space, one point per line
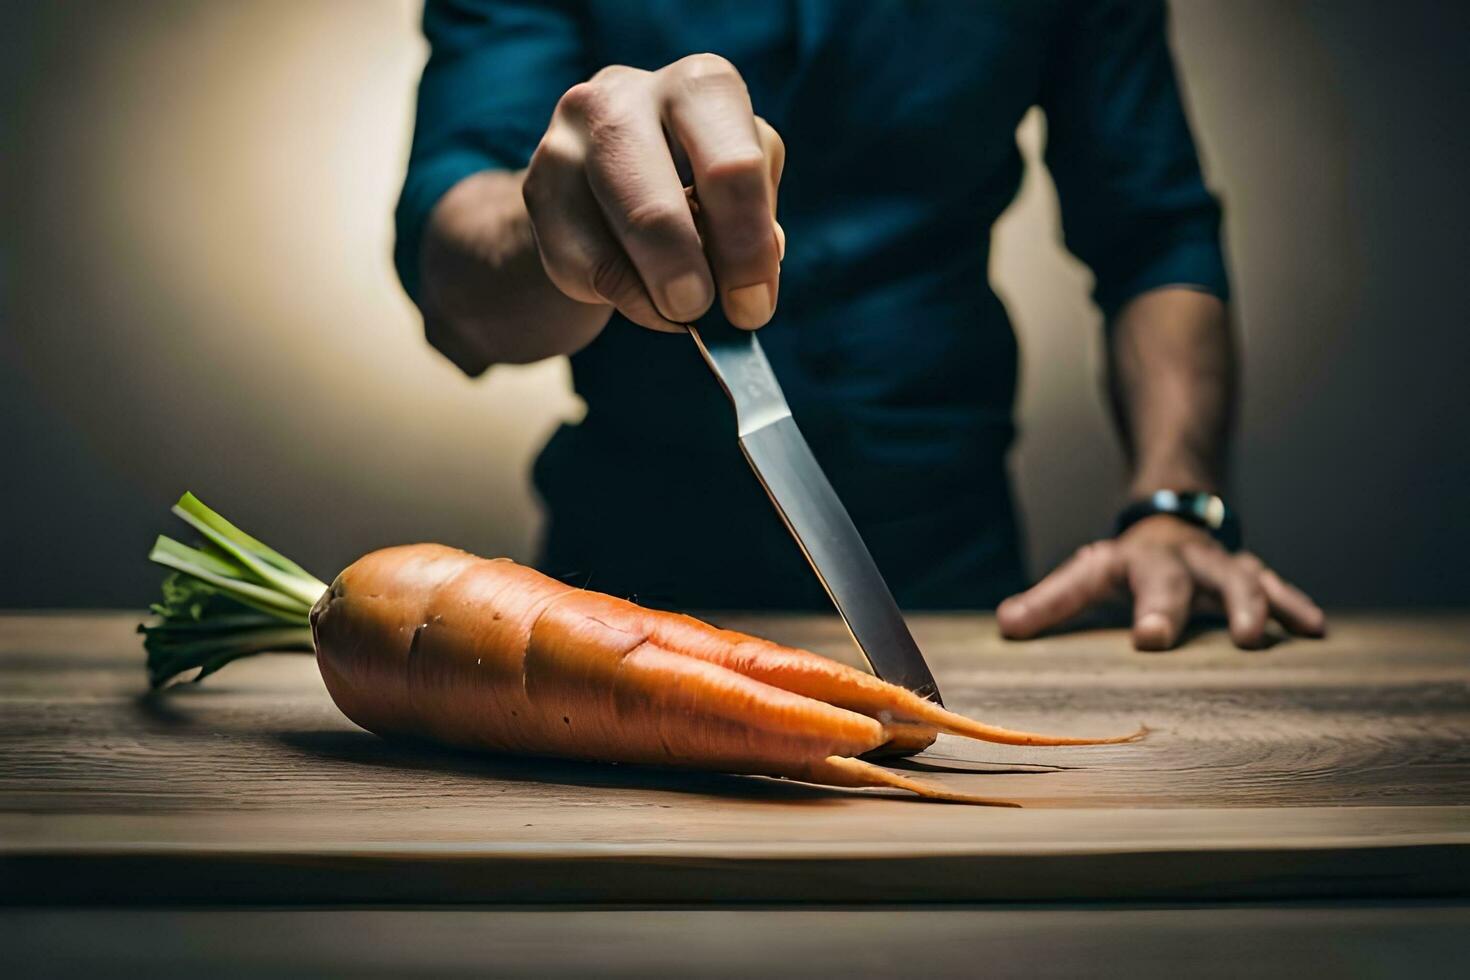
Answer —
225 184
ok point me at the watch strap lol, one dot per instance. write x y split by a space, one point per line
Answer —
1206 510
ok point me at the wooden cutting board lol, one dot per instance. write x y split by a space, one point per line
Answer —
1338 767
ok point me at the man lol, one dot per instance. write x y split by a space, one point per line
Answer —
545 213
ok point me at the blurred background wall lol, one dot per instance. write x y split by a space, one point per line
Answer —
197 293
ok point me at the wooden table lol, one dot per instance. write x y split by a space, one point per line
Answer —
1309 771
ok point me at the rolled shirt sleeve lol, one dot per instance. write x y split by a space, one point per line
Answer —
495 72
1134 203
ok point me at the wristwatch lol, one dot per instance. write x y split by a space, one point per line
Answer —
1204 510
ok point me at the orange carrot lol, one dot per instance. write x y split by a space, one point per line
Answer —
432 643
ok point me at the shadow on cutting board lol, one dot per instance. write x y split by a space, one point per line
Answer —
367 750
363 749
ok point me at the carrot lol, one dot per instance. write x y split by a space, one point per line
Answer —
428 642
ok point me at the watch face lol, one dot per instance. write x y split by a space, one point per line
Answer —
1212 511
1165 501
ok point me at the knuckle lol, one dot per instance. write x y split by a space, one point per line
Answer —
613 74
1097 557
707 68
605 96
1250 564
656 222
1274 583
614 81
1250 586
1085 555
558 147
770 134
582 100
741 171
1196 551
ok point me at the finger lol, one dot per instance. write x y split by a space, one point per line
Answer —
708 112
1296 611
578 251
1237 580
775 150
1162 591
633 178
1089 577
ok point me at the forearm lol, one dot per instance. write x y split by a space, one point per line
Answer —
1172 378
485 297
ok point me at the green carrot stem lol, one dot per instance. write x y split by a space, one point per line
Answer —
230 597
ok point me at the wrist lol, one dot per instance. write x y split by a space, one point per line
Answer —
485 295
1180 477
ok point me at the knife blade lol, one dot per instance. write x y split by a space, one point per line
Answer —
809 507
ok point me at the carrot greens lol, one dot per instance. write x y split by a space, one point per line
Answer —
227 598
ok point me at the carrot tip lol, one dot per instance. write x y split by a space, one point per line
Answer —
845 771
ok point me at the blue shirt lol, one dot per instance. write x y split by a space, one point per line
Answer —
897 358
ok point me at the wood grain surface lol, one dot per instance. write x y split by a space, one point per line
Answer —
1336 768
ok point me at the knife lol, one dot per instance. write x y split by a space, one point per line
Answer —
810 508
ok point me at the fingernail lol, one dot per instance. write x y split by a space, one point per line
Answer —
780 242
1152 630
750 306
1010 616
687 296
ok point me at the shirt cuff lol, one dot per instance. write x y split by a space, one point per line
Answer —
1192 263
